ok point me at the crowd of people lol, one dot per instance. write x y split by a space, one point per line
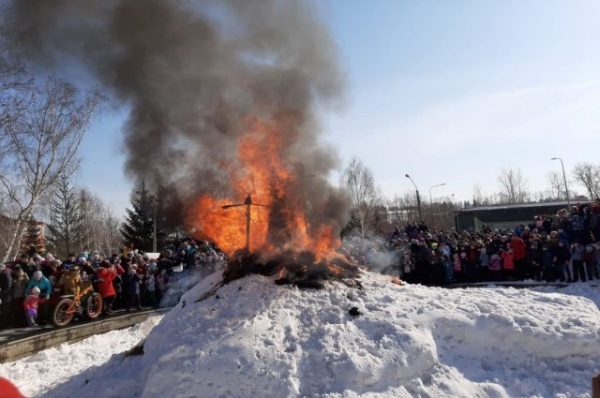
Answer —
30 286
562 247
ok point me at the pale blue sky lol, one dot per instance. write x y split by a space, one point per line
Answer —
447 91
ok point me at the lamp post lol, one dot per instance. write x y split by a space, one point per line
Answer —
562 165
418 197
435 186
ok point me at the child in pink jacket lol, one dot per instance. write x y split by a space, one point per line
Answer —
31 304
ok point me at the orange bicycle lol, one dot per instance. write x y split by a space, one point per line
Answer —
87 303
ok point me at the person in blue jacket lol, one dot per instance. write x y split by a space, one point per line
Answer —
41 282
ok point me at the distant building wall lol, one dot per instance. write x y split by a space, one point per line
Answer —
501 217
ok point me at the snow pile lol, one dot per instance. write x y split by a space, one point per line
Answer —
252 338
49 368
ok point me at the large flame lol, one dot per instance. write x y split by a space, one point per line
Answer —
264 173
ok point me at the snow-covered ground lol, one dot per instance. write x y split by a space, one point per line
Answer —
252 338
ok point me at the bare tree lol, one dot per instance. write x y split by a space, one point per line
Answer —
513 186
100 228
403 209
556 186
41 141
14 81
477 195
358 182
588 175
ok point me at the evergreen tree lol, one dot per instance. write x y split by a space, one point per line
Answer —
88 218
138 227
32 239
65 222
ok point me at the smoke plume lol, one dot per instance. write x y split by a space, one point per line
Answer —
192 73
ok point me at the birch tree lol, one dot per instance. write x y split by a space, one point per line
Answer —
513 186
556 186
358 182
41 142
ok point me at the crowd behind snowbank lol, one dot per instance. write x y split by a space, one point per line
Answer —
561 247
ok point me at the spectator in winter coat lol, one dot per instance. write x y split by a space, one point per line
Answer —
41 282
150 283
105 276
496 267
483 264
577 256
68 263
533 261
20 282
31 305
508 263
161 284
131 289
548 265
71 281
561 261
5 295
519 250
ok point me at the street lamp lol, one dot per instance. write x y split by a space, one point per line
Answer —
562 165
418 197
435 186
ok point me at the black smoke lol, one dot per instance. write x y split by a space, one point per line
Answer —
190 73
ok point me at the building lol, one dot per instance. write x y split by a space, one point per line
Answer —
503 216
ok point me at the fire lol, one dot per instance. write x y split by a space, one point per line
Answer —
277 214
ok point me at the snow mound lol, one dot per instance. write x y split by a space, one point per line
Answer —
252 338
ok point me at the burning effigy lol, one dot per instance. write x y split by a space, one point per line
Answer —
274 235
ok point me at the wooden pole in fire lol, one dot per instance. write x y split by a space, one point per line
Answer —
302 177
248 203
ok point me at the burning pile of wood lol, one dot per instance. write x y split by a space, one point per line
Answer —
289 267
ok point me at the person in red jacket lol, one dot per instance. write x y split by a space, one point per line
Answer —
520 252
508 263
105 277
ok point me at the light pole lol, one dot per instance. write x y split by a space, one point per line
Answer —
418 197
562 165
435 186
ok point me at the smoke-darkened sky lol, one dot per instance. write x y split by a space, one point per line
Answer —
189 75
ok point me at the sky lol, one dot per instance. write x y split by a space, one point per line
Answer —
448 92
253 338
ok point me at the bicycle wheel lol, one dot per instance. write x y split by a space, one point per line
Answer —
93 306
63 313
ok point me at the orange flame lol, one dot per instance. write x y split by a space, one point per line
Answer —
271 180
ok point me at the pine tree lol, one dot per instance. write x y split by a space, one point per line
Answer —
88 218
138 227
65 222
32 239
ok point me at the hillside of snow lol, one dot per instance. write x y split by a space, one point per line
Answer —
252 338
